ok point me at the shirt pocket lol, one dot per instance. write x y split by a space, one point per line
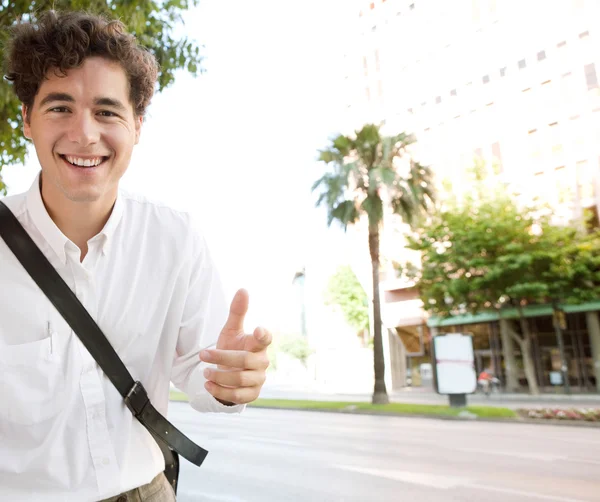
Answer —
32 382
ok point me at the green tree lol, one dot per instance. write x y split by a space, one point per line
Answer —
153 22
486 252
345 291
366 170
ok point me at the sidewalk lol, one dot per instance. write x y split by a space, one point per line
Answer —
421 395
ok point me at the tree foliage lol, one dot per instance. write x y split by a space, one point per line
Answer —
486 252
345 291
368 167
153 22
369 171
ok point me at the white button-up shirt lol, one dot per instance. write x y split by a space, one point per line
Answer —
149 283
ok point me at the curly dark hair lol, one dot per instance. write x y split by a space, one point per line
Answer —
61 41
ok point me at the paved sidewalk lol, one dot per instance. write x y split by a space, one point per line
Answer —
428 396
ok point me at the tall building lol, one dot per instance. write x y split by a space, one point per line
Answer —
513 83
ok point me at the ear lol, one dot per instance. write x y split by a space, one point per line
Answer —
26 124
138 128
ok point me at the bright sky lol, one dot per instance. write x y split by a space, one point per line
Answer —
236 146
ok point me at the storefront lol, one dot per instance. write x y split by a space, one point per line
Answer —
581 346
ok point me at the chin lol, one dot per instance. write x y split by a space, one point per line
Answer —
81 197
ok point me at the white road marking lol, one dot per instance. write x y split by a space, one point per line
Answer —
208 497
522 493
529 456
447 482
584 460
269 440
431 480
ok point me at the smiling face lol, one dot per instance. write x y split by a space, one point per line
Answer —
84 129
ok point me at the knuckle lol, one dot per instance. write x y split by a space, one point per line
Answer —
242 379
235 396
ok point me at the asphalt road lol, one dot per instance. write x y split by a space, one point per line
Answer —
277 455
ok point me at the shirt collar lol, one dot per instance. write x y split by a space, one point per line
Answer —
52 234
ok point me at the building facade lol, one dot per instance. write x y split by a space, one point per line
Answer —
513 84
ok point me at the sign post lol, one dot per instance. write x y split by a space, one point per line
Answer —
454 367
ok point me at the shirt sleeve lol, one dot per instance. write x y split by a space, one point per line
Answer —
204 314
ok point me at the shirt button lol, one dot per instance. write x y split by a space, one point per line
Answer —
106 461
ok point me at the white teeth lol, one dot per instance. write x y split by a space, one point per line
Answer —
84 162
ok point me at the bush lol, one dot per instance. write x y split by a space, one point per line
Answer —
581 414
295 346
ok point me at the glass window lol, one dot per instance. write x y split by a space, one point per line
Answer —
595 120
497 158
533 140
555 139
590 76
528 104
577 134
562 55
564 185
585 183
547 98
540 185
568 90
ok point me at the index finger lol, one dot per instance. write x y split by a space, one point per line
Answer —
237 312
240 359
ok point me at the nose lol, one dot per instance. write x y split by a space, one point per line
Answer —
84 129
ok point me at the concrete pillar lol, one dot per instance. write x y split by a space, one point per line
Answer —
593 326
387 357
508 353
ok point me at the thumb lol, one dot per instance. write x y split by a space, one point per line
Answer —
237 313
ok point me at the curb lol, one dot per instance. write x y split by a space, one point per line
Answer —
517 420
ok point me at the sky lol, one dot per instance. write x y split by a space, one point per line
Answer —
237 146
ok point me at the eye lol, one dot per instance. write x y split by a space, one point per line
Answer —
106 113
59 109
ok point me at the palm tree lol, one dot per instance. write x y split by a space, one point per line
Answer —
370 170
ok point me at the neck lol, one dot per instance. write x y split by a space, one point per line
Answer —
78 221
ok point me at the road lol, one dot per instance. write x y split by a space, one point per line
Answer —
278 455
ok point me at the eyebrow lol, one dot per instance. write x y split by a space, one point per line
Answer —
103 101
114 103
57 96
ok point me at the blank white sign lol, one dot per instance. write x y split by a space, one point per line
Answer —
455 364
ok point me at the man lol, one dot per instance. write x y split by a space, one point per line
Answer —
143 275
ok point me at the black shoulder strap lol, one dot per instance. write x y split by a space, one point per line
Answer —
67 304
